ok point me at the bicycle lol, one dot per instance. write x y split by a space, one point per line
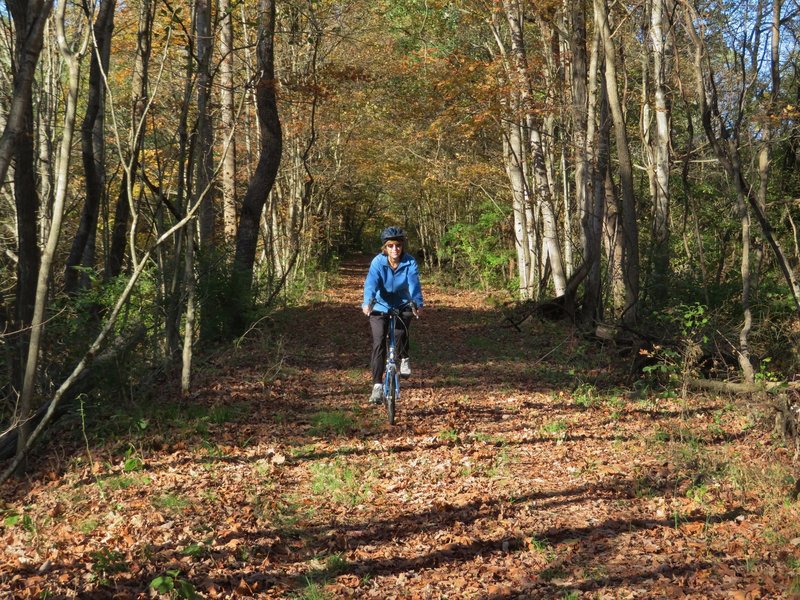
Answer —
391 377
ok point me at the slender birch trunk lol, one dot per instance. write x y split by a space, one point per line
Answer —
48 103
175 297
747 325
658 148
189 324
227 120
511 153
630 227
540 187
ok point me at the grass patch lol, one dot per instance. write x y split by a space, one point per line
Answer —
286 514
123 482
196 550
499 467
585 395
213 451
354 375
448 435
556 428
340 482
480 342
661 436
326 568
312 591
332 422
554 376
171 502
301 452
209 496
153 423
553 572
543 548
88 526
488 438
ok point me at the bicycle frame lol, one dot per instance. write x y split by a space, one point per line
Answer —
391 378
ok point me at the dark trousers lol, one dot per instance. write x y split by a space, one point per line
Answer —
379 323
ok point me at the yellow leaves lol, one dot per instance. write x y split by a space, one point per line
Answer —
790 111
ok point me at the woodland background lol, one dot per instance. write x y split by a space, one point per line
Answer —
172 170
603 198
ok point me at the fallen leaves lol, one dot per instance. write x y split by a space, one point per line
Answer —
469 495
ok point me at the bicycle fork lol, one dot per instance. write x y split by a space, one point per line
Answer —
391 364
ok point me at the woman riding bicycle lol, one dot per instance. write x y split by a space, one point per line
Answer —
392 282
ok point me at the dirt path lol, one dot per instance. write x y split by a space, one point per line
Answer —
516 470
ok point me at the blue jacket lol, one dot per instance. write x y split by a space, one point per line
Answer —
392 288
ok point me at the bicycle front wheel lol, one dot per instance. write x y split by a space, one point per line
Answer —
391 393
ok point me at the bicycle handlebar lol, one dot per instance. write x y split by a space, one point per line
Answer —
398 311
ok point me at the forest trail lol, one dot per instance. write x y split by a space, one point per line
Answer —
516 470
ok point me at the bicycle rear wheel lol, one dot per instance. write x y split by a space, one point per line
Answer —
390 396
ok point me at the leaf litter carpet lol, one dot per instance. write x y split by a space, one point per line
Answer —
523 464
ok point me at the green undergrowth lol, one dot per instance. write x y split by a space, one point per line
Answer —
341 482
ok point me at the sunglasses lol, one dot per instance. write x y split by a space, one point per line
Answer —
394 245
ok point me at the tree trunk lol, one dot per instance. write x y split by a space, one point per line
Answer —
188 331
227 120
659 151
540 192
125 205
264 176
204 149
615 245
630 227
92 146
747 325
88 358
593 198
62 178
293 220
175 298
48 111
512 149
544 201
30 19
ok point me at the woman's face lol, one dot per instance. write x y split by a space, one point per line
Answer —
394 249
